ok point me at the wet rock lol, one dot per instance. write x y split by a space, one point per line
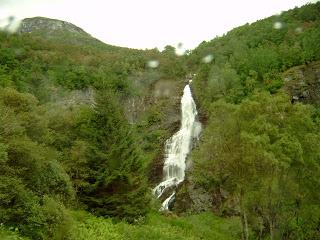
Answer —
302 83
192 198
155 171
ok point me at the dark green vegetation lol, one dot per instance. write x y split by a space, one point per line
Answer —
260 151
82 127
195 227
65 141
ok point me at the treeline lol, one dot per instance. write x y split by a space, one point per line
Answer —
259 154
29 62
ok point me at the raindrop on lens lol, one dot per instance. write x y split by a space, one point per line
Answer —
277 25
153 63
299 30
208 58
180 49
10 24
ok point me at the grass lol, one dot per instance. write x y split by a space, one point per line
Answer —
158 227
10 234
155 226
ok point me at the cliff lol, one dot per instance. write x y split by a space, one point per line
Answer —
302 83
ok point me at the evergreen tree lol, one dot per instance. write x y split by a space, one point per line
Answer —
116 183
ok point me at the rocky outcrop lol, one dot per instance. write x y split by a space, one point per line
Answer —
163 93
302 83
57 30
155 107
166 94
69 99
191 198
50 26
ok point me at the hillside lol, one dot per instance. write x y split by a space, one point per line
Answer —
258 157
83 126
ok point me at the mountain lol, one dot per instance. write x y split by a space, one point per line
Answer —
49 27
58 30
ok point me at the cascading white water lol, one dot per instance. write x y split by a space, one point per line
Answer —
178 147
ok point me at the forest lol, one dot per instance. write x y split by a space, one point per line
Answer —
82 134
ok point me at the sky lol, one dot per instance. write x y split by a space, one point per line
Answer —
150 23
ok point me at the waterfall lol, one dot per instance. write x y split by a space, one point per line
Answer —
178 147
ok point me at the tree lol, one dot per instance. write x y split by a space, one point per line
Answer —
115 181
259 152
33 185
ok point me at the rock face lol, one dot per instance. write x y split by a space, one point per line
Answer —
57 30
302 83
74 98
156 106
50 26
191 198
168 100
161 92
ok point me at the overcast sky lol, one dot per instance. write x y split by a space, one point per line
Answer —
150 23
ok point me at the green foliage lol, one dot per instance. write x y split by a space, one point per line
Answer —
11 234
5 78
37 217
260 153
64 152
33 183
115 179
46 141
171 65
311 44
58 151
88 227
263 152
155 226
258 48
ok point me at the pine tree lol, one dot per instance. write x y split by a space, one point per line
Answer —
116 181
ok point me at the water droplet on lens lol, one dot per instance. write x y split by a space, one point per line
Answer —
153 63
277 25
299 30
10 24
207 58
180 50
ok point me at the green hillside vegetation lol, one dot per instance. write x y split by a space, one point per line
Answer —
154 227
59 153
254 56
75 166
260 152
